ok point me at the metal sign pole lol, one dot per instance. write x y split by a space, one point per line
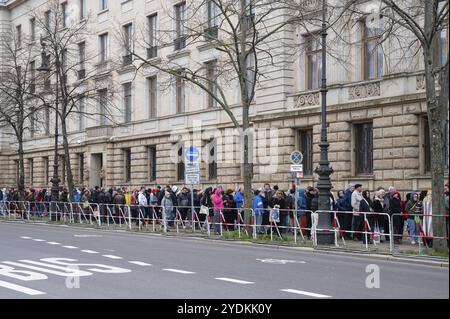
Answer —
192 208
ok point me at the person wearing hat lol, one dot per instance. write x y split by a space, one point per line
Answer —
357 218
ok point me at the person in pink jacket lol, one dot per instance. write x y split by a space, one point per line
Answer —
218 208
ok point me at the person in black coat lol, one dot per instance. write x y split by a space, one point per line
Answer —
395 207
278 201
365 206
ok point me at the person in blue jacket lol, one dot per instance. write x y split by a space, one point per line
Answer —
258 208
239 198
302 206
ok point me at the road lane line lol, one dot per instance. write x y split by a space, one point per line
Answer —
179 271
139 263
90 251
22 289
70 247
306 293
53 243
236 281
24 237
40 240
112 256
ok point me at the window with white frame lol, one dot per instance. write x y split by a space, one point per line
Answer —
152 50
180 27
211 78
128 43
83 9
180 94
372 50
32 29
103 5
152 96
103 48
313 53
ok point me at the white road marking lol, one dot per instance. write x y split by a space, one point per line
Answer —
70 247
53 243
22 289
112 256
39 240
139 263
90 251
280 261
236 281
24 237
87 236
306 293
179 271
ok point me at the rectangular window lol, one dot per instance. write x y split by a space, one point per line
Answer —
46 170
212 23
305 145
128 45
180 95
83 9
211 83
127 164
47 17
82 60
152 163
180 165
81 113
103 47
103 101
30 170
32 77
180 18
152 50
152 96
65 15
103 5
250 14
80 168
313 62
372 54
127 101
363 148
19 35
32 29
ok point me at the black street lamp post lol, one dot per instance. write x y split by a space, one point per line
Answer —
45 67
324 236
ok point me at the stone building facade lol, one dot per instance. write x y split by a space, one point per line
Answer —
377 124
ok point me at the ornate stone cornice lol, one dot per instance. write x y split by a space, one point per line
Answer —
307 99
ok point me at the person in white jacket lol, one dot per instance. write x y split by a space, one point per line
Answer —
358 220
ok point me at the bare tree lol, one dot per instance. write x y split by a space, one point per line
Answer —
17 84
241 32
75 71
415 28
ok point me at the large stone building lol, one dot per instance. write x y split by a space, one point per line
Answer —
376 110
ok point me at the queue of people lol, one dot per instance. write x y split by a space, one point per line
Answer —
286 210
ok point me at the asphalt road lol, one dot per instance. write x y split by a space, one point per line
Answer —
126 265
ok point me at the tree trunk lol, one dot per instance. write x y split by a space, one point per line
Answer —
248 167
437 164
21 179
70 183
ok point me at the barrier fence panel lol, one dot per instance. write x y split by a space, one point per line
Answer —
414 233
364 226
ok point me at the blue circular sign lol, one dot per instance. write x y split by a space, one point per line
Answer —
296 157
192 154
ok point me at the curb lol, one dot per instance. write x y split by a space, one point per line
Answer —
428 261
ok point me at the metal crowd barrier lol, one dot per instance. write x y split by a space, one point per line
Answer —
367 223
422 234
184 219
